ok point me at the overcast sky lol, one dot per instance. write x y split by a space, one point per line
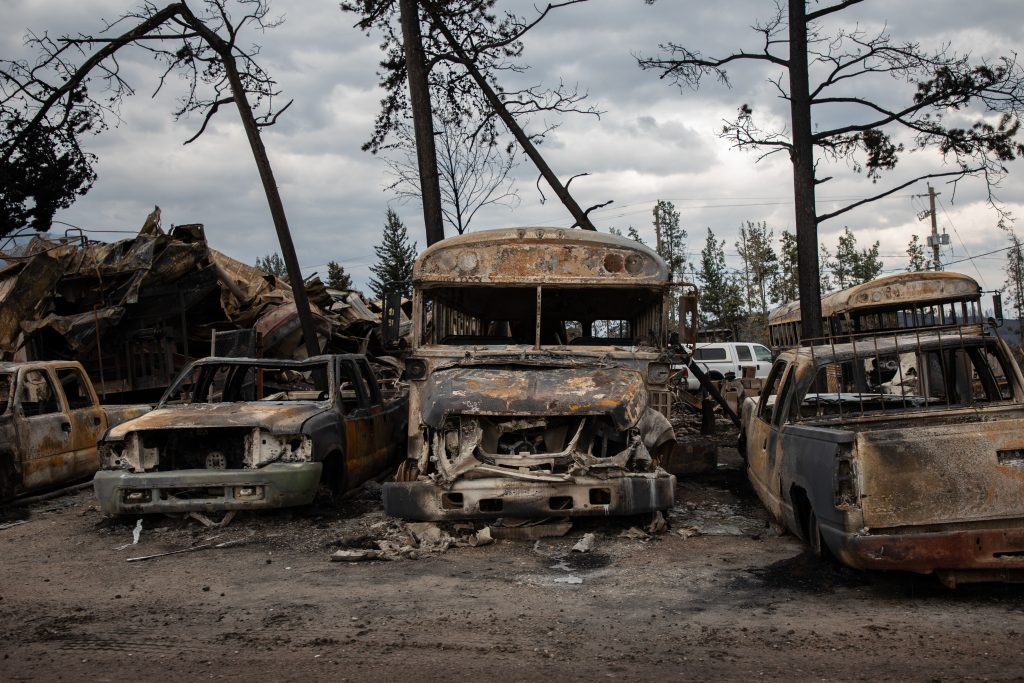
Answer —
652 142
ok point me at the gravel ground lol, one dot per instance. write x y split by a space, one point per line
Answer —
719 595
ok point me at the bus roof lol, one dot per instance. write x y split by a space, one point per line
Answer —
889 292
528 256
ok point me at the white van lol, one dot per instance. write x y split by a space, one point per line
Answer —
720 358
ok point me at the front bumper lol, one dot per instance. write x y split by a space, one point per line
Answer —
271 486
974 555
506 497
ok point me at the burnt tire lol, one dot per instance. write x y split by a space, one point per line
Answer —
333 478
9 477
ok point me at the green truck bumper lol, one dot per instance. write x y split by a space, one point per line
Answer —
272 486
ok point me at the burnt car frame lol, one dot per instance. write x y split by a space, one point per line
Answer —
234 434
538 378
897 452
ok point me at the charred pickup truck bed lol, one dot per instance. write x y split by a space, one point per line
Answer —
918 469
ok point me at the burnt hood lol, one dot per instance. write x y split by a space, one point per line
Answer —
274 417
618 393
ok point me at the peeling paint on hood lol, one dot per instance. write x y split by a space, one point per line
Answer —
273 416
618 393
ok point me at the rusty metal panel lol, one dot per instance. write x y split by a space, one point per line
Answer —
549 256
957 472
619 393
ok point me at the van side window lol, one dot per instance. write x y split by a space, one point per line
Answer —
743 352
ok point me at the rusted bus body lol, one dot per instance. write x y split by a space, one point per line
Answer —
538 378
897 452
50 420
236 433
901 301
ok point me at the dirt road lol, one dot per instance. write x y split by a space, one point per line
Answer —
734 602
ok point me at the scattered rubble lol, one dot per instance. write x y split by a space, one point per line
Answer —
136 311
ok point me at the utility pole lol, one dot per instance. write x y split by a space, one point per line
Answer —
657 227
935 240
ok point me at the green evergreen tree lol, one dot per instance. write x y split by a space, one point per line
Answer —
634 235
671 246
721 296
785 288
915 252
337 278
273 264
760 264
395 257
1015 274
852 266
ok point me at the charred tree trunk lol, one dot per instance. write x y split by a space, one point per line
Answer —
803 175
513 126
422 120
259 153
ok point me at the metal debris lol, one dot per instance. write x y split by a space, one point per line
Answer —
585 544
204 546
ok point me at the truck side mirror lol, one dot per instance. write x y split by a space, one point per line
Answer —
391 319
688 297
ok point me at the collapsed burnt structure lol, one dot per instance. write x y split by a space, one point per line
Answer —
136 311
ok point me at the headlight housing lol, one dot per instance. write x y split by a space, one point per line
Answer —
265 447
657 373
415 368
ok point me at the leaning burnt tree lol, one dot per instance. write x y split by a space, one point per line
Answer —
201 46
463 48
969 112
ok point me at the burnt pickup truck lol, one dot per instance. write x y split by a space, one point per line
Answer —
50 421
242 434
897 452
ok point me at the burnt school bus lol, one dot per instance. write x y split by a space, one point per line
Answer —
538 378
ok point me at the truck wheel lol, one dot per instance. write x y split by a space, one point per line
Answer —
333 477
8 476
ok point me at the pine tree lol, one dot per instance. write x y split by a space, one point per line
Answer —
273 264
721 297
634 235
867 265
786 285
760 264
852 266
916 254
1015 274
395 257
671 242
337 278
671 246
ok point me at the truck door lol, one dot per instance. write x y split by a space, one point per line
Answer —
744 359
87 419
44 432
356 401
388 420
762 439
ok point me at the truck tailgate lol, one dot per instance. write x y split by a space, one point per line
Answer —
940 474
